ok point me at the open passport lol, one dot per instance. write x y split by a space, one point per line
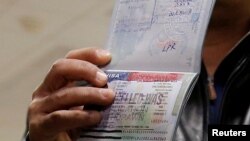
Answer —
156 48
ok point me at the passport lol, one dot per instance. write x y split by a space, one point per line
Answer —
156 59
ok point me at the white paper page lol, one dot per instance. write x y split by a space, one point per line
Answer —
158 35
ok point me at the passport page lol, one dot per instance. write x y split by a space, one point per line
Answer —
158 35
146 106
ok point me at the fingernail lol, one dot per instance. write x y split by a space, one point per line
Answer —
101 77
107 93
102 53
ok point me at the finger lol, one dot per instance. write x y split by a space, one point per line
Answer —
77 96
66 70
66 120
94 55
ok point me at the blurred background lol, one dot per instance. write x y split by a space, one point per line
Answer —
33 34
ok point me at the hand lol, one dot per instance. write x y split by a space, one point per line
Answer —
57 107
